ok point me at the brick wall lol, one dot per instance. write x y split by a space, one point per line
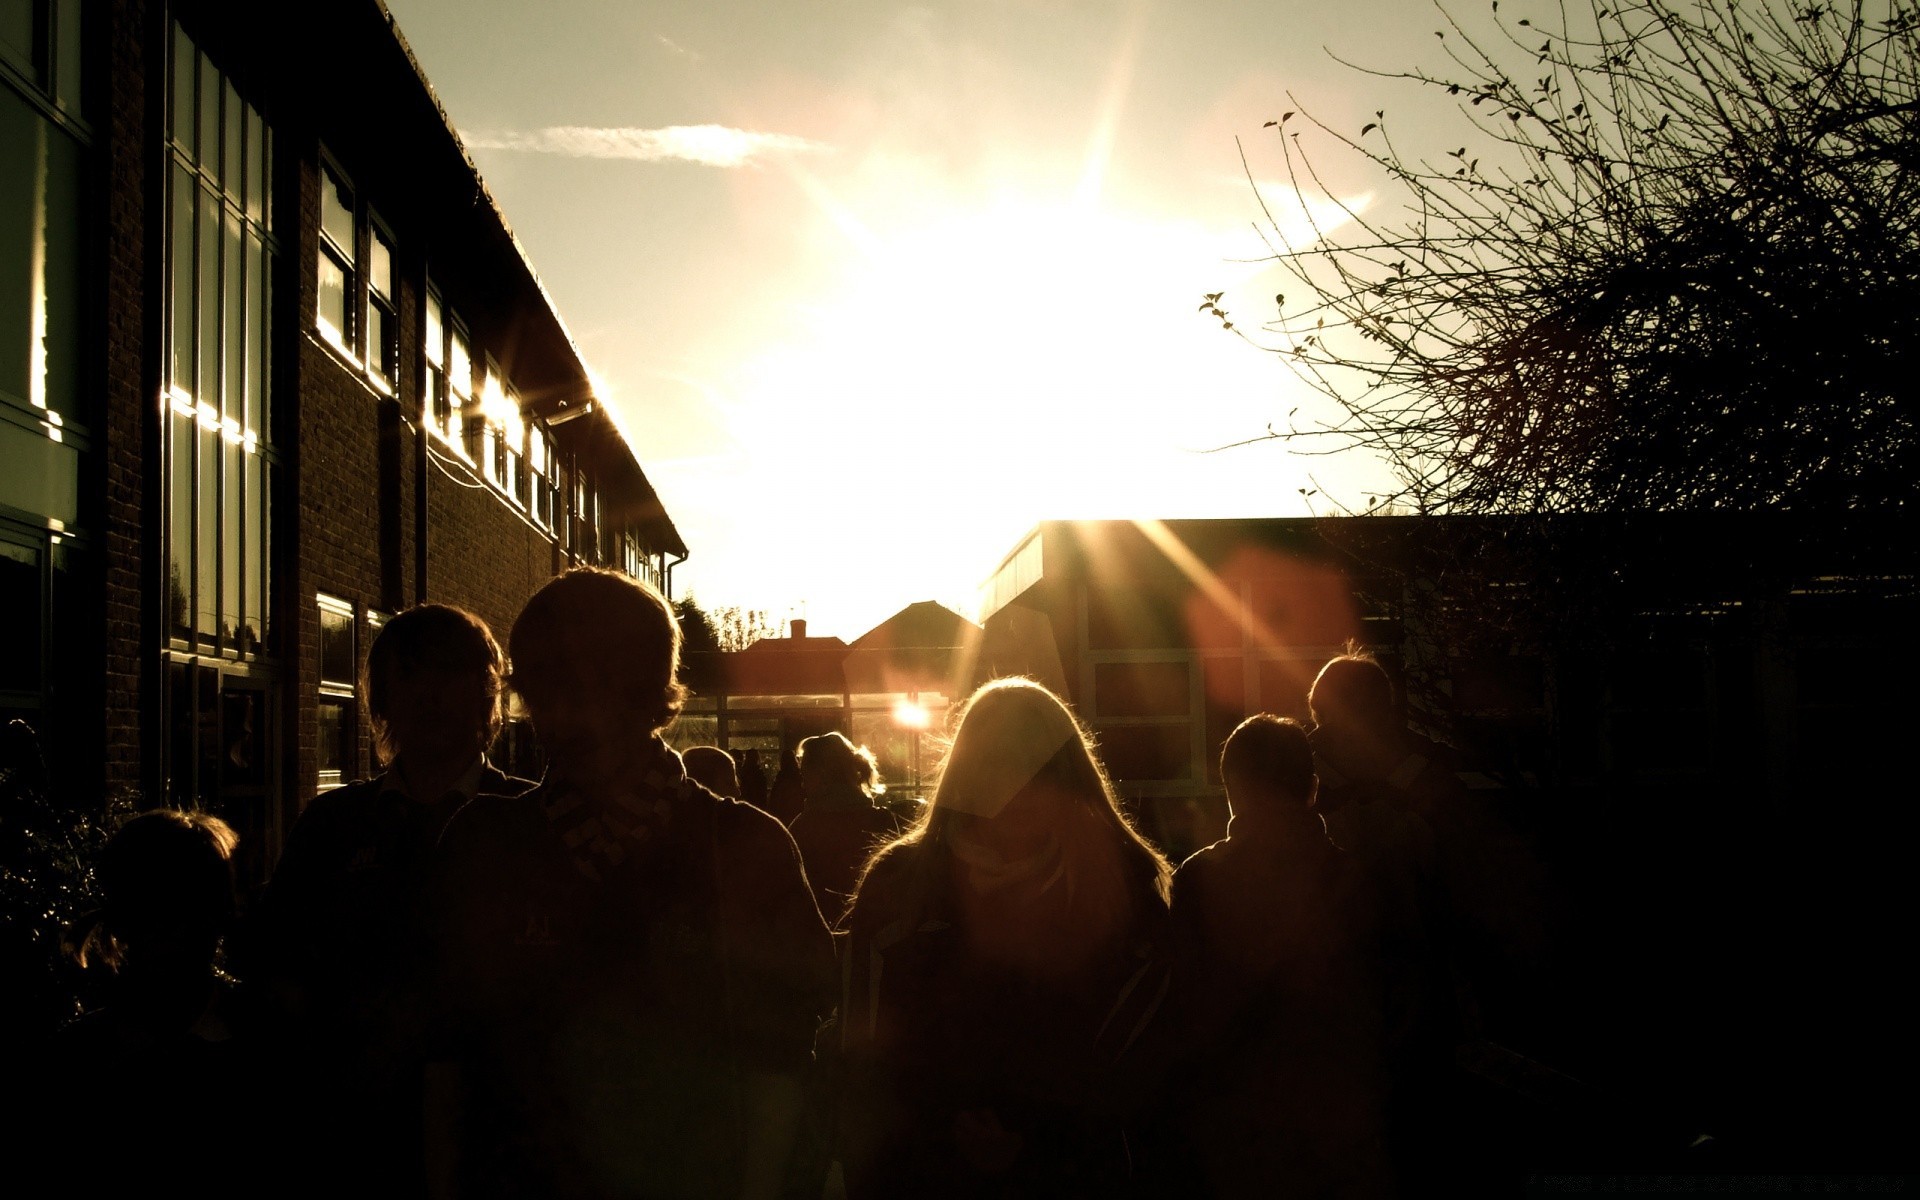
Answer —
128 379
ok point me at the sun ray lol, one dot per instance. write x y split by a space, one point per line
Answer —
1113 98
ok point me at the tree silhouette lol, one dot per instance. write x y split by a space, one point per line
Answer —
1674 263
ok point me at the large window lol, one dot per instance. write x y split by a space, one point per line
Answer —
219 457
449 373
503 435
541 487
42 145
336 739
356 288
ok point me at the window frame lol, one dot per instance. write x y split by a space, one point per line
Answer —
343 259
336 696
368 313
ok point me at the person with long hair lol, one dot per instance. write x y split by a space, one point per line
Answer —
996 955
840 826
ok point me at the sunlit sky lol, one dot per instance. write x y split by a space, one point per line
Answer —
877 286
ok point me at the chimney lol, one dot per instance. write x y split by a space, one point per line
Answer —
799 628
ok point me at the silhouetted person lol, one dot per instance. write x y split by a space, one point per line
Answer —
712 768
344 949
155 1090
1276 989
753 779
787 795
1364 753
991 954
635 968
1390 797
840 827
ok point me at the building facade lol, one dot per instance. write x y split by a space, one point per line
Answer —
272 367
1705 666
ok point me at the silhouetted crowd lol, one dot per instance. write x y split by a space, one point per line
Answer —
624 981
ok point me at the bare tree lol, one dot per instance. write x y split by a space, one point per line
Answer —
1673 261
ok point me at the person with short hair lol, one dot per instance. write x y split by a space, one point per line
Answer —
997 952
1276 988
343 946
712 768
635 970
158 1088
840 827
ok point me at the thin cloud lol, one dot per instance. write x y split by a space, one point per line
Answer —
710 145
677 48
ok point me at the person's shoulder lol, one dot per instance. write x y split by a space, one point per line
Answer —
892 875
1192 873
333 815
343 801
493 819
495 782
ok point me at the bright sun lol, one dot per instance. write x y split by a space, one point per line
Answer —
970 375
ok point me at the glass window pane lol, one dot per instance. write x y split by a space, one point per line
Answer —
23 135
67 78
380 266
180 525
60 278
335 737
230 540
332 309
459 366
182 118
209 116
254 517
181 726
436 334
208 294
20 616
253 420
378 330
266 174
207 535
16 34
336 214
263 537
230 170
256 190
336 648
180 372
233 321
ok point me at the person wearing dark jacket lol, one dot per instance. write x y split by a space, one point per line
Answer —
341 952
1277 998
840 827
633 969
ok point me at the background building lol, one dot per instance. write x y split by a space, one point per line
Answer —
272 367
1704 664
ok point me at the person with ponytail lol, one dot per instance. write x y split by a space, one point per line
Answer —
840 826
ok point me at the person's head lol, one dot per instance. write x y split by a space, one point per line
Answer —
1352 692
594 655
712 768
432 685
1267 765
166 883
830 765
1022 800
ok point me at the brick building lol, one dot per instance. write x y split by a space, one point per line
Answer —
272 366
